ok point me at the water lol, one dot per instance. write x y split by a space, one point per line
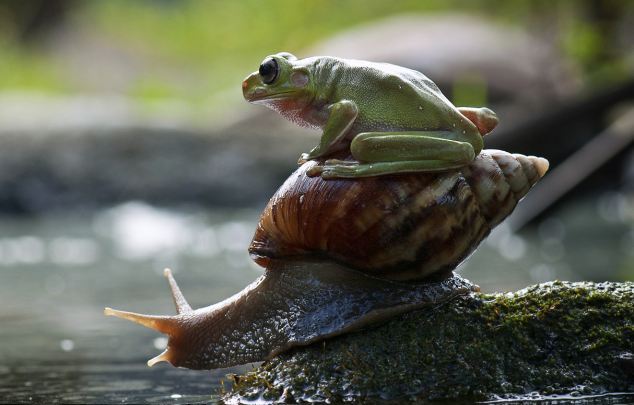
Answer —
58 272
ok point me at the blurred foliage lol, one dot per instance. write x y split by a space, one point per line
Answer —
26 70
214 44
228 39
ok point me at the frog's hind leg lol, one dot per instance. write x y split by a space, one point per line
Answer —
421 146
382 153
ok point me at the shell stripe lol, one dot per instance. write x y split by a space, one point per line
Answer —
402 226
414 220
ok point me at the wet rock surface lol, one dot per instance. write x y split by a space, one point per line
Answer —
560 338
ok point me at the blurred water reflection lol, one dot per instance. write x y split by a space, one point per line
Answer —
580 241
58 272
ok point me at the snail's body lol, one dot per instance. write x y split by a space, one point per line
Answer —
296 302
337 254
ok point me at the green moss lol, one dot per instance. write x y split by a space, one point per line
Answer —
554 338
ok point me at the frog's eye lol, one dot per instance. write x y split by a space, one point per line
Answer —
269 70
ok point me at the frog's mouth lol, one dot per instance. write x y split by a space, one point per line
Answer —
263 97
259 93
254 91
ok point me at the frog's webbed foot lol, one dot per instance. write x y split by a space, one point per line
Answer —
352 169
333 168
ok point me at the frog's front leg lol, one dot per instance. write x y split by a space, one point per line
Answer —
382 153
341 116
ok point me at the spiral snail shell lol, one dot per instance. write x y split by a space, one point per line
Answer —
342 254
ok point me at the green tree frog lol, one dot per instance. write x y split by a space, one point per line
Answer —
391 119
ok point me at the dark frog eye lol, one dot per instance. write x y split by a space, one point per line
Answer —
269 70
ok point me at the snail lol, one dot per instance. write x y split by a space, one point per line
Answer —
343 254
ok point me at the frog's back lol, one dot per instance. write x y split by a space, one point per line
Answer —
389 97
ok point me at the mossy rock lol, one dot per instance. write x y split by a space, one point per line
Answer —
553 338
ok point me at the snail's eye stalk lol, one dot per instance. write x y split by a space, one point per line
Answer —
269 70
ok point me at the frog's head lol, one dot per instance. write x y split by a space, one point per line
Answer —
280 83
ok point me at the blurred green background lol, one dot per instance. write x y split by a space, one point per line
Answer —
191 50
126 147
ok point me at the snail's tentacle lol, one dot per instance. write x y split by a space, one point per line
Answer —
174 327
169 325
163 357
163 324
179 299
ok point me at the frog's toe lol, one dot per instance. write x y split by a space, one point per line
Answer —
303 158
314 171
338 171
334 162
328 174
